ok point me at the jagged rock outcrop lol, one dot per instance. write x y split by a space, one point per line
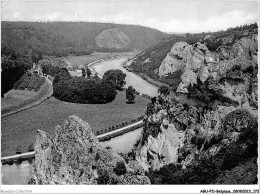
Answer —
177 133
74 156
112 38
162 149
230 65
174 59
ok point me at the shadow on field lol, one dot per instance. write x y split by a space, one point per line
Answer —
130 102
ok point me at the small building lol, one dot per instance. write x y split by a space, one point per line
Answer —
76 73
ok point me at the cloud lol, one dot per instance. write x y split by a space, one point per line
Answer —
55 16
193 25
222 22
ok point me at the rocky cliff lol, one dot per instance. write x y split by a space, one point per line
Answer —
179 134
112 38
232 65
74 156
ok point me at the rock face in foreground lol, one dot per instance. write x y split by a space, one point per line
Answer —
176 134
75 156
161 150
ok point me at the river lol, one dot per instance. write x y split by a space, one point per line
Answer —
20 173
131 79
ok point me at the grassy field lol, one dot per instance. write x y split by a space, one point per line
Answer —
16 97
86 59
20 129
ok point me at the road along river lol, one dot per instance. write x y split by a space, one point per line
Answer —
20 173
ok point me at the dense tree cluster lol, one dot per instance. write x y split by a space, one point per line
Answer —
30 81
77 38
50 70
116 76
13 68
16 59
82 90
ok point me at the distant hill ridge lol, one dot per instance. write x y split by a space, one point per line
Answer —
62 38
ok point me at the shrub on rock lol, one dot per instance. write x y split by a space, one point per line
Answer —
120 168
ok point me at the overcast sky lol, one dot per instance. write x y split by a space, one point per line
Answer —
164 15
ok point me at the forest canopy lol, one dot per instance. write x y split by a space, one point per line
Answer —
82 90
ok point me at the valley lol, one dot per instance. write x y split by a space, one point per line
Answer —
124 102
51 112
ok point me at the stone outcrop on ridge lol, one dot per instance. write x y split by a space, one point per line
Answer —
232 60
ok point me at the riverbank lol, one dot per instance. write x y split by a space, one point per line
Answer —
131 79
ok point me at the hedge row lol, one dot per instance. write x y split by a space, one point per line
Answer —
30 81
146 96
44 90
124 124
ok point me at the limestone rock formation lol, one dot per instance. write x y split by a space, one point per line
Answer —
74 156
161 150
178 134
174 59
112 38
197 62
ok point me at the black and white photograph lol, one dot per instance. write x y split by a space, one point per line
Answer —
129 92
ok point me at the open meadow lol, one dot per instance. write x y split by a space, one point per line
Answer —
19 130
15 99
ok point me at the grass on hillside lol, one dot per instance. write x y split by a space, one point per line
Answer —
19 130
25 98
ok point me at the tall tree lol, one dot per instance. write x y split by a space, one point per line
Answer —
130 94
88 72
